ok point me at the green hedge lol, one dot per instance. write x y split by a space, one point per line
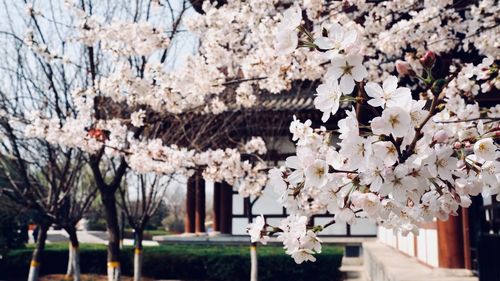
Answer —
191 262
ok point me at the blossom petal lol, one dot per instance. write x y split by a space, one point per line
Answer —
323 43
390 84
333 72
349 38
359 72
373 90
355 59
376 102
338 60
335 32
347 84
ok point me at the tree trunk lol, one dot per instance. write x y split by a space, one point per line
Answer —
253 262
69 269
254 269
37 253
138 254
113 229
74 255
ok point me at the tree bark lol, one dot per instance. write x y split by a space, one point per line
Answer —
69 270
37 253
139 235
113 229
74 255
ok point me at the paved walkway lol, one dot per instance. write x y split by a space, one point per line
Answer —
383 263
353 270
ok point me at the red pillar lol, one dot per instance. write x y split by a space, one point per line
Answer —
200 204
226 208
451 242
465 232
216 209
189 220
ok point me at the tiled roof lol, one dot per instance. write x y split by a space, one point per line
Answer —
285 102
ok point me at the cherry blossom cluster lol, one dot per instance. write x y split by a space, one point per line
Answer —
159 90
399 161
153 156
224 55
245 47
121 38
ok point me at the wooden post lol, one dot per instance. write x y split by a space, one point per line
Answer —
466 237
226 208
451 242
216 209
200 205
189 220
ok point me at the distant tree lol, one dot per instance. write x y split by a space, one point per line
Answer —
174 199
13 227
140 199
156 219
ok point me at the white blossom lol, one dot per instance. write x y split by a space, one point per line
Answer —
348 68
485 149
389 95
328 99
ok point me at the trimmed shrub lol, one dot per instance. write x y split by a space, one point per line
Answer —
188 262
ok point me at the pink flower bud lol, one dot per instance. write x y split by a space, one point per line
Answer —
467 144
441 136
404 68
428 59
457 145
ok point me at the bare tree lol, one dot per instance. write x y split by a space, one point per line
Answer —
141 198
43 177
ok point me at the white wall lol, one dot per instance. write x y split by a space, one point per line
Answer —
423 246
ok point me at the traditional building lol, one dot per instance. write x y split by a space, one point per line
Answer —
270 120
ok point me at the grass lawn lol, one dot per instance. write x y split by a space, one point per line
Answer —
208 249
150 232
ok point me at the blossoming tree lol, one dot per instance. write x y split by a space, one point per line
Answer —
393 158
127 109
410 149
